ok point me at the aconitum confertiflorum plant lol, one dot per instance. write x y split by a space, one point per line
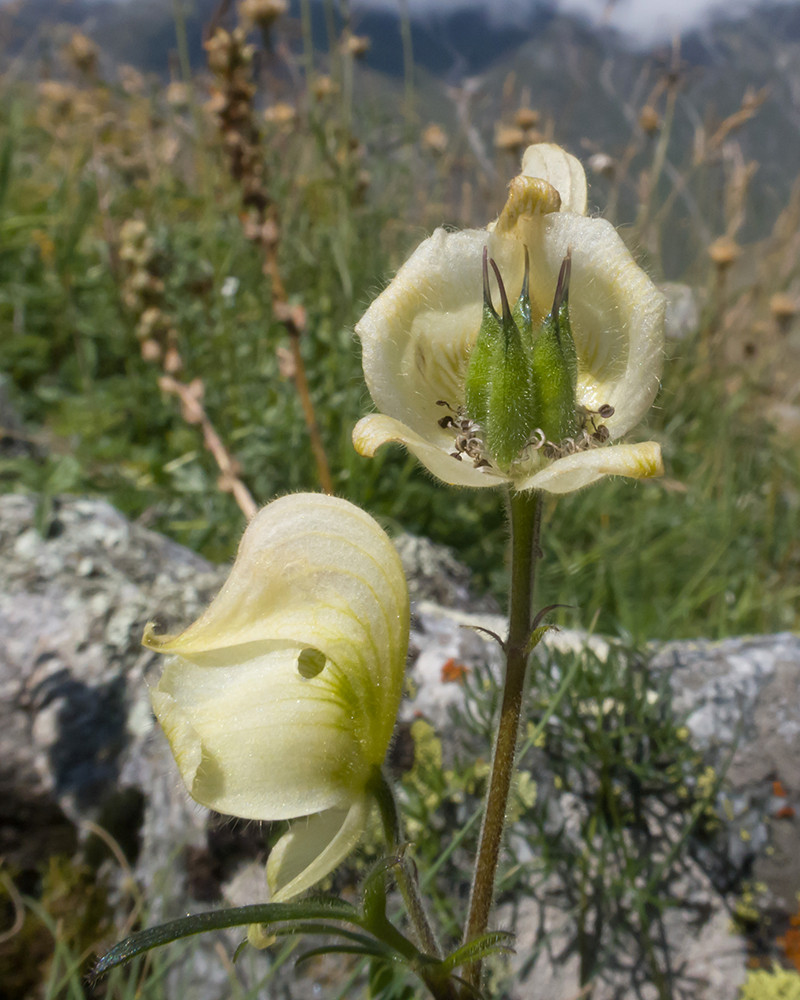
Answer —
514 357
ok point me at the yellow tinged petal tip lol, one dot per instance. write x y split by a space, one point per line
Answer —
527 196
636 461
313 847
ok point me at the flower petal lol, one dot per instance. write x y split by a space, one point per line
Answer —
313 847
555 165
318 572
373 431
638 461
254 738
281 697
417 335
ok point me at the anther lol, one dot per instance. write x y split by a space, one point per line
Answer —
606 411
446 422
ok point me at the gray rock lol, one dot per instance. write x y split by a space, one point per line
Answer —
742 697
72 670
434 574
78 741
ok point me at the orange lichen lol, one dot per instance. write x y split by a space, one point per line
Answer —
453 672
790 942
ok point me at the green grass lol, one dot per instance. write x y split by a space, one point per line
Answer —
713 556
710 551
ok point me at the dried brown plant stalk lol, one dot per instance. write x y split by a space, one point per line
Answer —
230 59
142 293
193 412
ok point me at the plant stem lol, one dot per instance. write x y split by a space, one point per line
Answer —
405 873
524 513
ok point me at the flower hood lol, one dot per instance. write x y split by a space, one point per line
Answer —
280 700
418 335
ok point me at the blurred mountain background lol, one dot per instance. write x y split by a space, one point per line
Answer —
588 79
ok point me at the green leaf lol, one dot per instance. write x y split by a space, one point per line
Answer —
301 927
373 890
375 951
486 944
266 913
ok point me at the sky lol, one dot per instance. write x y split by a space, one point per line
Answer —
643 21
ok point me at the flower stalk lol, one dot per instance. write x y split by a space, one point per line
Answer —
524 516
405 871
230 60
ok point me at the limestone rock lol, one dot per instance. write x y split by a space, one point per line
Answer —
78 741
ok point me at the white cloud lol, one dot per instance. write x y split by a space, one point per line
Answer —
648 21
643 21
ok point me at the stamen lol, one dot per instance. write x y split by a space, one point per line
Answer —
446 422
606 411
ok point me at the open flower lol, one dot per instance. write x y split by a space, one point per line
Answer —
437 335
280 700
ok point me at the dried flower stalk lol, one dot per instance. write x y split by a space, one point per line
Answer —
230 59
193 412
142 293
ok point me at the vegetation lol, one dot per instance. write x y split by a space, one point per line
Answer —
143 231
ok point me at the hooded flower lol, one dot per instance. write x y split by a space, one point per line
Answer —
583 327
280 700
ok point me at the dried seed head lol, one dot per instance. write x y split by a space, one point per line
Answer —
526 118
262 12
783 307
324 87
280 114
151 351
649 120
435 139
509 138
356 46
83 53
172 361
724 252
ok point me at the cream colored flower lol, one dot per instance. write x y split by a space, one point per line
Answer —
418 335
280 700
